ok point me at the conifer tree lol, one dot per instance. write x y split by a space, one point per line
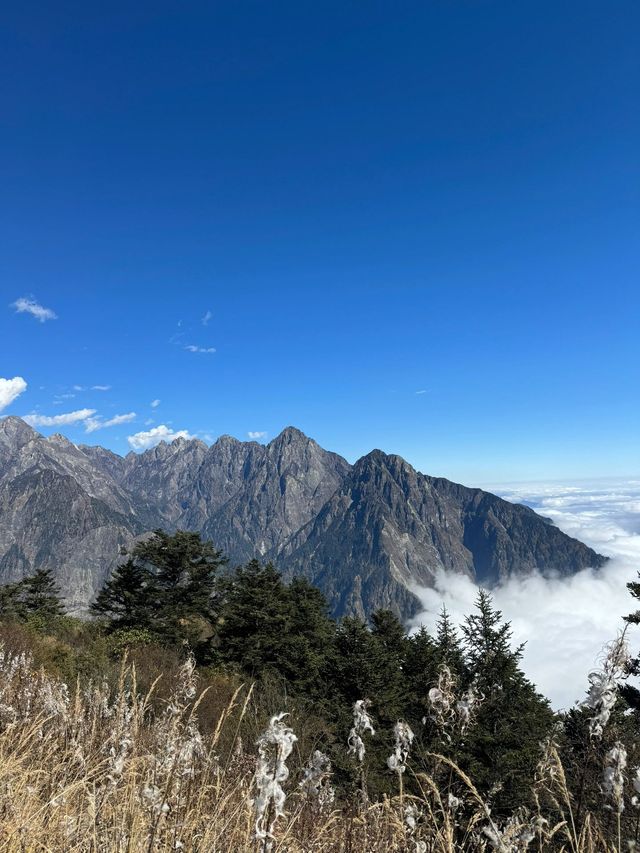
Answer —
502 747
390 648
36 595
41 594
420 671
167 585
185 570
255 619
448 647
629 691
311 637
355 675
128 598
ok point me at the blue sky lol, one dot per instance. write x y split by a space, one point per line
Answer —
414 226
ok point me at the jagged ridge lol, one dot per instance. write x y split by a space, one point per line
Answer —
365 534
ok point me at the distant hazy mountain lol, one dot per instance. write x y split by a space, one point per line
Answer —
365 534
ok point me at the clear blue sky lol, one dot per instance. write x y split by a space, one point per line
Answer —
371 200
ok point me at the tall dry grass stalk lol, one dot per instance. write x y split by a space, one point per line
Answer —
95 770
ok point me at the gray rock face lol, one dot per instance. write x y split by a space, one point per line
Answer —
389 528
59 511
284 487
366 535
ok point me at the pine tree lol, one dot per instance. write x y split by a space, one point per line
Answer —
421 672
185 570
9 601
36 595
41 594
448 647
127 599
502 746
310 638
355 675
629 691
390 649
168 586
255 619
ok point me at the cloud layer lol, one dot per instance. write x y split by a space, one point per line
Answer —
10 390
565 622
30 306
149 438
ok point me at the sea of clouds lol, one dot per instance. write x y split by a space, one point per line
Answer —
565 623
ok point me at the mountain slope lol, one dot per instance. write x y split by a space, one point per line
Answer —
284 489
365 534
58 511
389 528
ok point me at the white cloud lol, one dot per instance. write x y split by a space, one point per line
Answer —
144 440
421 391
10 390
564 621
101 387
78 388
258 434
155 404
59 420
193 348
205 320
30 306
92 424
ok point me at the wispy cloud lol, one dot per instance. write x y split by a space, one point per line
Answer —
149 438
257 434
93 424
10 390
101 387
59 420
207 316
78 388
421 391
193 348
30 306
155 404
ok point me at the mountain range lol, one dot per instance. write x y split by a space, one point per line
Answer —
366 534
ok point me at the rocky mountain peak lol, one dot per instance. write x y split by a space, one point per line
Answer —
15 433
379 459
364 534
62 440
227 441
290 436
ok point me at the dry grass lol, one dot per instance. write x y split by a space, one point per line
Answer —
109 770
